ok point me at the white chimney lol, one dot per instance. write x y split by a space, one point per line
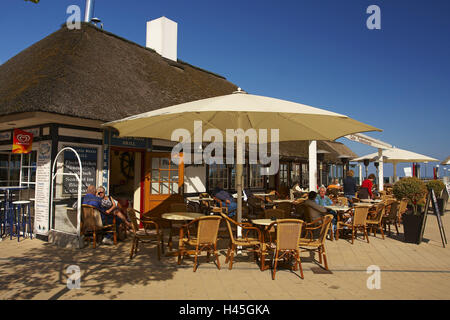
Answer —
162 36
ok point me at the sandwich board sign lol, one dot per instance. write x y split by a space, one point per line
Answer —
431 198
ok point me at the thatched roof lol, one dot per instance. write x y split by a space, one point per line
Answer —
93 74
299 150
446 161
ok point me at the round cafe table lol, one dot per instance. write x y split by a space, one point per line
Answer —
179 217
263 223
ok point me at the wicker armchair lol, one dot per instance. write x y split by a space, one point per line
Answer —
92 224
375 222
403 206
256 207
317 244
287 243
150 233
343 201
359 222
246 241
286 207
205 240
392 216
274 214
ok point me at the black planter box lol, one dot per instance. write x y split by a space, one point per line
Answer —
412 225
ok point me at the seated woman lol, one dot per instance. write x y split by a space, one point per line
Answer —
109 206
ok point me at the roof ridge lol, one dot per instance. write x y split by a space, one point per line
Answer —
86 24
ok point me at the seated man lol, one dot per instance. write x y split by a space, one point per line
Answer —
323 200
91 199
318 210
226 199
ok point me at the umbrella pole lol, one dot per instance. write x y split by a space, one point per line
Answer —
239 168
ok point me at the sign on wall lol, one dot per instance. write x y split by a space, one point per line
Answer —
22 141
42 194
88 157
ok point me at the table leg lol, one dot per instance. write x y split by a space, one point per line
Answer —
169 243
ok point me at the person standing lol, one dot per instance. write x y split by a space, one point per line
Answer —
365 192
350 186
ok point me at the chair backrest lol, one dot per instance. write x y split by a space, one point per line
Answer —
133 219
274 213
300 210
178 207
229 221
380 210
343 201
208 228
360 216
288 233
326 223
286 207
395 206
403 206
91 218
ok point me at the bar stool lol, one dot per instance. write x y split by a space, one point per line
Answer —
22 213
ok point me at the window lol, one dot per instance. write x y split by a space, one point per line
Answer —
233 177
10 165
283 175
28 177
295 173
218 175
256 179
165 178
305 176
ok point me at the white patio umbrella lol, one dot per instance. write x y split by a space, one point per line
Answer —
395 156
245 111
446 161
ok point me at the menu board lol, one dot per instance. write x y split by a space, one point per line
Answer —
42 195
88 157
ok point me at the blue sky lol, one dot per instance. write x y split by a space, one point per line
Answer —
313 52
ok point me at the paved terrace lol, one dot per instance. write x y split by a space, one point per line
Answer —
33 269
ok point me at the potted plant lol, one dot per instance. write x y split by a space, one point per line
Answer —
438 186
415 191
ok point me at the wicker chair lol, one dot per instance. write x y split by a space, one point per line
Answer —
402 209
317 244
91 224
274 214
256 207
376 221
245 241
205 240
205 206
392 216
358 222
287 243
150 233
300 211
343 201
286 207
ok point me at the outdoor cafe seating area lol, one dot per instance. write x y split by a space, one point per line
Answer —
274 231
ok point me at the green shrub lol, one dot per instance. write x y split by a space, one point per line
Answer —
437 186
412 189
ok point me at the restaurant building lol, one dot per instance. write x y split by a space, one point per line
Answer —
64 87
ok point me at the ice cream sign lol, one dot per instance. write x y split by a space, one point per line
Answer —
22 141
